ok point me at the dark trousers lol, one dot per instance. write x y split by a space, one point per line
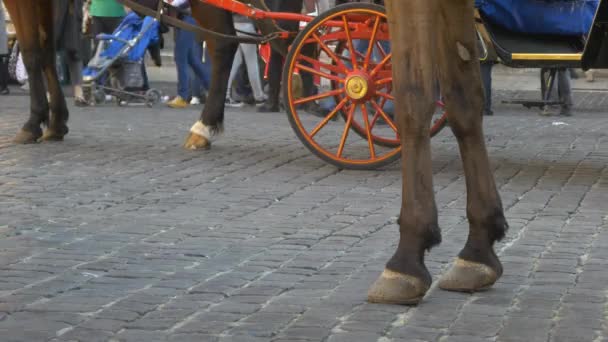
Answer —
275 66
486 79
3 71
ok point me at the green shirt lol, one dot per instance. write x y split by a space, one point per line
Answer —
106 8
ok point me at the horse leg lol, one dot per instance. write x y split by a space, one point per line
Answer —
57 127
222 53
25 15
406 279
477 266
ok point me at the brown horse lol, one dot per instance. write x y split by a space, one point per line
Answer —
33 20
437 42
36 43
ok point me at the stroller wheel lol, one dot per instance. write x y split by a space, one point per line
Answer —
121 101
99 96
153 96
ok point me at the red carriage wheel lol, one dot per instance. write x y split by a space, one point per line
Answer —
357 79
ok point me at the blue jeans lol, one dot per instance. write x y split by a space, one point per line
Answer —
188 54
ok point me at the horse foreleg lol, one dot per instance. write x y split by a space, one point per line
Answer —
406 279
25 15
222 52
477 266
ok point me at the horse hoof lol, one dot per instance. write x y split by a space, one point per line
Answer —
397 288
53 135
26 137
468 276
196 142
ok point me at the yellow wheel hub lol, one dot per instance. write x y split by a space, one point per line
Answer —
357 87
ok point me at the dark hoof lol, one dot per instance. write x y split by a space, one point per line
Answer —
26 137
397 288
468 276
54 135
196 142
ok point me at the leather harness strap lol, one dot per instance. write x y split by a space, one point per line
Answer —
164 18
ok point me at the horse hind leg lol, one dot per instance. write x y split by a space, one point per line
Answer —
477 266
23 14
57 127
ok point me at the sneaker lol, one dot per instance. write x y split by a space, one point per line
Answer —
177 102
4 91
549 110
195 101
589 76
233 103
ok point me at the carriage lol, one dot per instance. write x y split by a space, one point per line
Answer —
345 52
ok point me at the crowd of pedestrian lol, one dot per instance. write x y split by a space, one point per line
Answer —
78 21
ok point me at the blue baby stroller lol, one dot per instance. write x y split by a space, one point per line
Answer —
118 68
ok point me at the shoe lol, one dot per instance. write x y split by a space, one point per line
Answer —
488 113
258 103
565 111
589 76
548 111
315 109
4 91
178 102
268 107
195 101
233 103
80 102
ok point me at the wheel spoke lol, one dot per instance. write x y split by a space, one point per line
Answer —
319 96
319 73
383 81
380 65
368 131
329 116
381 48
371 44
349 43
388 120
330 53
332 68
349 122
385 95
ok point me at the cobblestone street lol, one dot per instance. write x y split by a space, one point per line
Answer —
119 234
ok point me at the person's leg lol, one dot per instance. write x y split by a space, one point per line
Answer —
181 63
275 66
195 55
486 78
236 64
250 54
4 75
564 90
548 90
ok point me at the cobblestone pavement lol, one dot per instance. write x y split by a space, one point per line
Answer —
118 234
